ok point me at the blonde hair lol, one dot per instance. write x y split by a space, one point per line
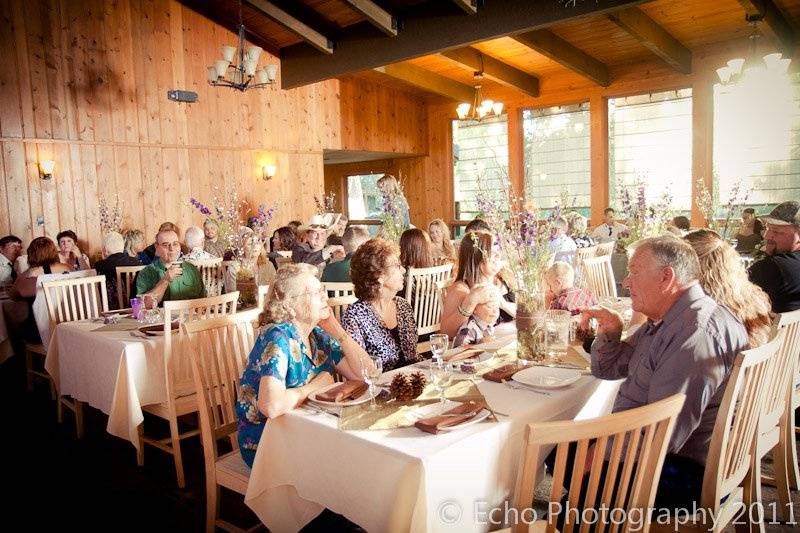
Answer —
724 278
389 184
132 236
563 272
287 285
577 224
448 247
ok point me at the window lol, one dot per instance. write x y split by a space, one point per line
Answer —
557 157
757 141
363 197
650 140
480 151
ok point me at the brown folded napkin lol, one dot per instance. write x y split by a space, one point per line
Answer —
158 328
502 373
349 390
460 356
451 417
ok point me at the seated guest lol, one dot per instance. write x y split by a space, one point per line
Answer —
150 252
354 236
476 330
687 345
610 229
295 354
69 253
135 245
561 291
10 250
380 321
295 225
166 278
750 233
476 290
113 256
42 259
682 223
577 227
779 273
476 224
442 249
337 230
415 249
195 242
282 240
212 243
562 247
311 249
724 278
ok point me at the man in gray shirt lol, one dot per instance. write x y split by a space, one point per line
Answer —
688 345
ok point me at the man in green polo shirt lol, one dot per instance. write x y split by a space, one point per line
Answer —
164 279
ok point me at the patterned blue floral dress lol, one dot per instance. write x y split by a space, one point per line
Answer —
279 353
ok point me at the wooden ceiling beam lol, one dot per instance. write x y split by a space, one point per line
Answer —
654 37
469 6
551 45
494 69
431 28
774 20
379 17
429 81
305 32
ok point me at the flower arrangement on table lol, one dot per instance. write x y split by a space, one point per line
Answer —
110 216
643 218
709 206
326 204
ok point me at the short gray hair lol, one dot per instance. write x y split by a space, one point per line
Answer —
670 251
287 284
562 271
193 237
113 243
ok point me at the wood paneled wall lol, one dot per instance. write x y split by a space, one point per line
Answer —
84 83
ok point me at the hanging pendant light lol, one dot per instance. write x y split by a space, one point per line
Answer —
736 69
480 108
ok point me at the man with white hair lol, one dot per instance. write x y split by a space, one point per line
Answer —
169 277
113 256
194 238
561 245
687 345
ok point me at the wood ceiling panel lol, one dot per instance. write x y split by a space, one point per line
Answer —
699 23
518 55
791 10
602 39
336 11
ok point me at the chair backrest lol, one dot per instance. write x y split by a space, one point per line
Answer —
40 313
629 452
125 277
583 253
261 297
789 321
424 293
785 371
731 449
284 253
339 288
339 305
599 276
218 349
283 260
75 299
606 248
212 273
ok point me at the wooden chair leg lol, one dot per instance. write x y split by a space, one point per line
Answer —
53 393
59 411
29 369
176 451
140 445
792 471
212 501
78 405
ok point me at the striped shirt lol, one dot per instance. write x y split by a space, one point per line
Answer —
573 300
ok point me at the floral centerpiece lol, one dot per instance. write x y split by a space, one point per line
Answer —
110 216
732 210
643 218
326 204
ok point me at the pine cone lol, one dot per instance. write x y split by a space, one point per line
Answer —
401 388
418 383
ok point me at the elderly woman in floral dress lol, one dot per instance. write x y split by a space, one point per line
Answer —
295 355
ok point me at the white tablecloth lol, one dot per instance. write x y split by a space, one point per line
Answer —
110 370
404 479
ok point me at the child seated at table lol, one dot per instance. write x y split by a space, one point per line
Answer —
479 327
561 292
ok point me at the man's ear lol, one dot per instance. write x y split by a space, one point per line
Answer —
668 276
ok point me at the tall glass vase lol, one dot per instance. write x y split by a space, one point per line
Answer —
532 328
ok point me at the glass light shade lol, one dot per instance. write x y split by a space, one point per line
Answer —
272 72
497 107
221 66
487 103
47 166
228 53
253 53
724 74
212 74
462 110
771 60
482 112
736 65
250 67
269 171
782 66
261 76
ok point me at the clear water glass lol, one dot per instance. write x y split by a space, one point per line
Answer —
439 344
440 377
371 373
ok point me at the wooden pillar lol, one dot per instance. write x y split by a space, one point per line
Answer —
516 162
598 110
702 141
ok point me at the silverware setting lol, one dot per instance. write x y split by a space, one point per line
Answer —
519 386
319 410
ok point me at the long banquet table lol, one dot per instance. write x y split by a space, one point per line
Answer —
404 479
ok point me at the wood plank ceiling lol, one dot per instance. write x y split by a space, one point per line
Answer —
606 34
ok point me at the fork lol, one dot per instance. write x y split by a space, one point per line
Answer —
518 386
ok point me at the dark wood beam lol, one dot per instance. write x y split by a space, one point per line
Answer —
429 81
551 45
774 21
655 38
305 32
432 28
379 17
470 6
494 69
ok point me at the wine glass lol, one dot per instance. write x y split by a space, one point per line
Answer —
371 371
439 344
440 377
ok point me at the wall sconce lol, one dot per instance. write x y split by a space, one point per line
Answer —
269 172
46 169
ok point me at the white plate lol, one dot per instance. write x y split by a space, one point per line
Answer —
543 377
437 408
361 399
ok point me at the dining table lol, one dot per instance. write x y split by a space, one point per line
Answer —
404 479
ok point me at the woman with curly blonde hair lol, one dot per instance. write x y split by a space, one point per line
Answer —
295 355
724 278
443 250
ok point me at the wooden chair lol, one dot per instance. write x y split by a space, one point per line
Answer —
599 276
218 349
636 442
606 248
283 260
261 297
125 277
339 305
778 419
581 254
729 472
284 253
212 273
336 288
69 300
181 398
424 293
